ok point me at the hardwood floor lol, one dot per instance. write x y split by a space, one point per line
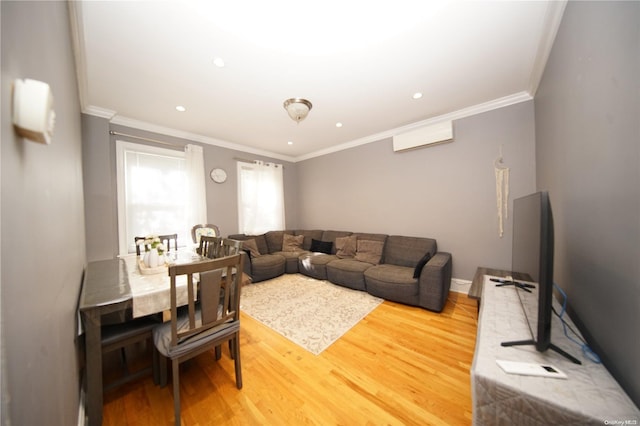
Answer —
399 366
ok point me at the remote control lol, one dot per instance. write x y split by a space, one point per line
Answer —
530 369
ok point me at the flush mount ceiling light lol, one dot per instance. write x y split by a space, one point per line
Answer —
297 108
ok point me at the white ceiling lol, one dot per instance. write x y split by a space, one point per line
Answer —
358 62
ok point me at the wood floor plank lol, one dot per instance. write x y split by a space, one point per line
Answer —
400 365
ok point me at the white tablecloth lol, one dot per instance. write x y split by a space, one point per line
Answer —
151 293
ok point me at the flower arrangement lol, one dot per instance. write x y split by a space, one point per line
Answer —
154 251
152 242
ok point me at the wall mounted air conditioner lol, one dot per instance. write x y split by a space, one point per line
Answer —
428 135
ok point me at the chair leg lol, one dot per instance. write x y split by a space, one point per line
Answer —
155 366
176 390
163 370
218 351
236 358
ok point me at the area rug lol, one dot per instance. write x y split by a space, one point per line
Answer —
311 313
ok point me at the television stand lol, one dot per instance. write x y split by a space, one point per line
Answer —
551 346
499 397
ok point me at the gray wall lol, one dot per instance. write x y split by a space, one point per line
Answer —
99 162
446 191
588 157
43 240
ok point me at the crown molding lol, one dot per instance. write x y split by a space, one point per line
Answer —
456 115
552 20
142 125
77 41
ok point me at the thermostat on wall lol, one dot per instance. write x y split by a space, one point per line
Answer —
33 115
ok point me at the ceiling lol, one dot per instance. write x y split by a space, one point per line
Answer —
358 62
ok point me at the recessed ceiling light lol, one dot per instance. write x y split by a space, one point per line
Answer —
338 124
181 108
417 95
218 62
289 143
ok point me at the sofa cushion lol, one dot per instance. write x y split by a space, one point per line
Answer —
309 236
261 241
291 260
347 273
392 282
252 247
407 251
318 246
423 261
315 264
346 246
369 251
332 235
267 266
292 243
274 240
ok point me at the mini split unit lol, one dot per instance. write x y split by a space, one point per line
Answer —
424 136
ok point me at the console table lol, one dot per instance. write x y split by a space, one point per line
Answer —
590 395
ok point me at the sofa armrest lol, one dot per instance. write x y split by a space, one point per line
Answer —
246 264
435 281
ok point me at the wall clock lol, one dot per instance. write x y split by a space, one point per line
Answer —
218 175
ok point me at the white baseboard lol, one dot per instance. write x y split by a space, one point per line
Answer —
460 286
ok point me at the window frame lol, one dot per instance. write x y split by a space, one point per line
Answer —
122 147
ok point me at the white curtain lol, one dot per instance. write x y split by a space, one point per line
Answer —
260 197
195 191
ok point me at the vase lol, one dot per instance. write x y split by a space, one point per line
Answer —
154 258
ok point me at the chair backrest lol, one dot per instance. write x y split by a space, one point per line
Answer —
204 229
219 301
231 247
164 239
210 247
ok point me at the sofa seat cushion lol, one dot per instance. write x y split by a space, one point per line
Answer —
348 273
291 260
315 264
267 266
392 282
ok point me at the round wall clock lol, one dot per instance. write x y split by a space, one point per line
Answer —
218 175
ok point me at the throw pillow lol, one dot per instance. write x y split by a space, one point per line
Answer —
251 246
420 265
369 251
292 242
346 246
321 246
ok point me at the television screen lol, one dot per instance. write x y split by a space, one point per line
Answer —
532 260
532 267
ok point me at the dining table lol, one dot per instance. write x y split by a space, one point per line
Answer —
114 287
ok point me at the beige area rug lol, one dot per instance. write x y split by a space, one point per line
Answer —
311 313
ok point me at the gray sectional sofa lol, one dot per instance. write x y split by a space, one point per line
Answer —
407 270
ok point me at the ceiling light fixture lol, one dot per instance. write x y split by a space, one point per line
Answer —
297 108
181 108
338 124
417 95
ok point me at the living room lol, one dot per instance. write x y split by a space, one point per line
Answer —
577 138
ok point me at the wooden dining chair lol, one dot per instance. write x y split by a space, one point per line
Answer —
121 335
204 229
164 239
210 247
205 325
231 247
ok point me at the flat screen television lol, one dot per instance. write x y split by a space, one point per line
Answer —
532 268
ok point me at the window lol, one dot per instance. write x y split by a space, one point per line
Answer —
260 197
153 192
